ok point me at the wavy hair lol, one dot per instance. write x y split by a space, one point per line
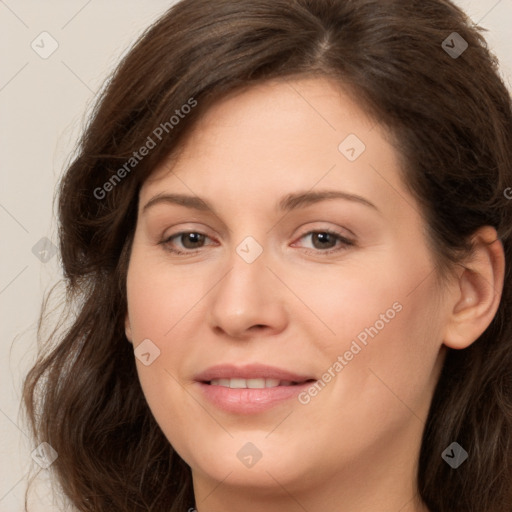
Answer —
451 122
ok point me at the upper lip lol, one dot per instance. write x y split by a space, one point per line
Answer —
249 371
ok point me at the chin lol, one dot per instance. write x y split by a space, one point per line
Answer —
249 460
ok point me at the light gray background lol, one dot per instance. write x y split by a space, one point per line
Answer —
43 103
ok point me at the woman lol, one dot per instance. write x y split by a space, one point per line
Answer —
287 244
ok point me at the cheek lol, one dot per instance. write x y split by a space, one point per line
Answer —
385 324
172 409
359 299
389 360
162 307
159 296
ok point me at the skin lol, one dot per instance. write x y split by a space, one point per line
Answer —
354 446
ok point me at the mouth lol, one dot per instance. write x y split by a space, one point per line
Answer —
251 388
254 383
253 375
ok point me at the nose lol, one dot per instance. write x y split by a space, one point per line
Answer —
249 300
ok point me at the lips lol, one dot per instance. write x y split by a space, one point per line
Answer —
238 374
249 389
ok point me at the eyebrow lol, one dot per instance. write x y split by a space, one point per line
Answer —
286 204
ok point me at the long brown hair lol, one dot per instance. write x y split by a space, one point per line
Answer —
450 117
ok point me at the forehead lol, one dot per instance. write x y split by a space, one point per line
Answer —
277 136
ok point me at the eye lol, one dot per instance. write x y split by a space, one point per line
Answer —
327 241
189 240
324 241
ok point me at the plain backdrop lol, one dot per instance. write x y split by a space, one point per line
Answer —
44 101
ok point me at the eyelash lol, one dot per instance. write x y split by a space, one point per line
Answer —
345 242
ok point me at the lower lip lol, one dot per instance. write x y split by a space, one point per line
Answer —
250 401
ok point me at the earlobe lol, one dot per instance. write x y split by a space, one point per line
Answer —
478 293
128 329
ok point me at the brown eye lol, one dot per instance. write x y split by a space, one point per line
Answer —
189 241
324 240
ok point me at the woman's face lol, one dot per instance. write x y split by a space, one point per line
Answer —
305 260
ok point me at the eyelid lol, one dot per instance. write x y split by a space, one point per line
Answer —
338 231
184 228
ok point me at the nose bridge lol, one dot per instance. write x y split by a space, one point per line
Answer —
247 296
248 278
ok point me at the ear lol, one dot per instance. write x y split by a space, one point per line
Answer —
128 328
477 292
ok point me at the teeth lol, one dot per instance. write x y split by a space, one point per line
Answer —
271 383
257 383
237 383
250 383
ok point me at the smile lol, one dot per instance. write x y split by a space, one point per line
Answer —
250 388
255 383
